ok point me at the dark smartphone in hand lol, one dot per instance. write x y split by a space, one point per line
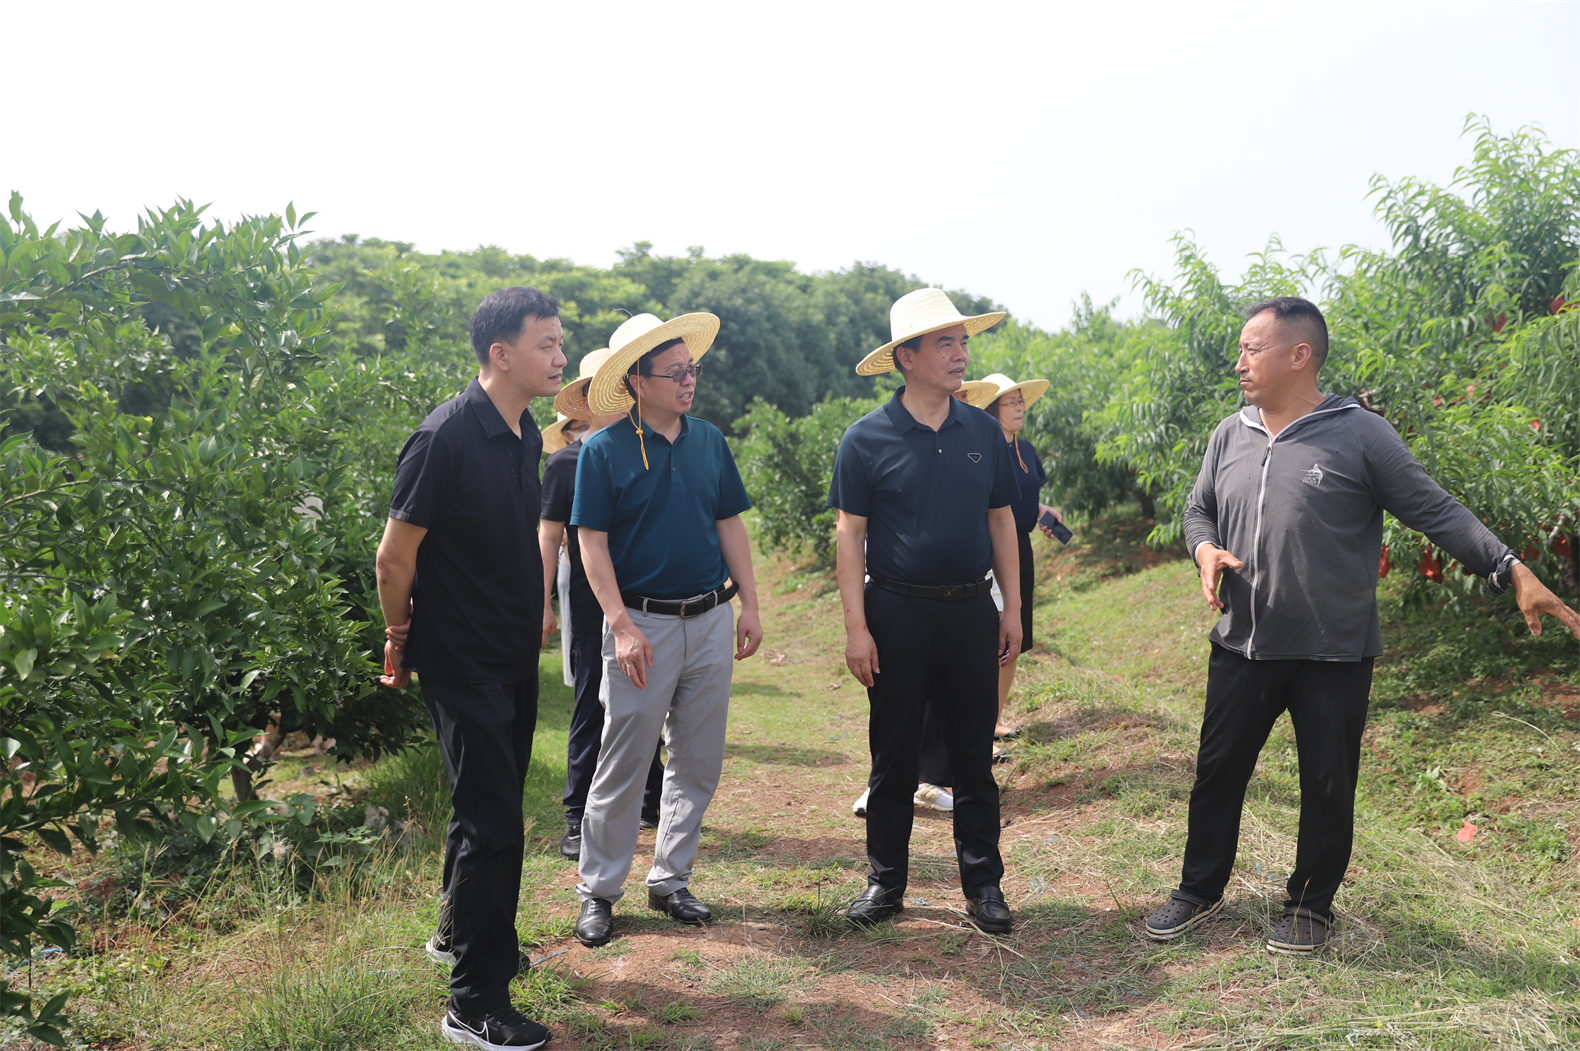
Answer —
1060 531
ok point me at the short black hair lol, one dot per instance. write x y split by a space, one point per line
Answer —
1293 308
913 345
501 316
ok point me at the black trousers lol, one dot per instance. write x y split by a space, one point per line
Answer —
485 737
1326 701
586 735
943 654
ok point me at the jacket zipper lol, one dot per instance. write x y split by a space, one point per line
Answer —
1261 499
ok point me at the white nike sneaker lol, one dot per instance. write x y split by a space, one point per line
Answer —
933 796
859 807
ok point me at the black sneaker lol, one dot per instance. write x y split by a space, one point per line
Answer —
494 1030
649 817
1178 916
1301 933
571 844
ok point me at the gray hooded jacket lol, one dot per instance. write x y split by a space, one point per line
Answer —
1304 511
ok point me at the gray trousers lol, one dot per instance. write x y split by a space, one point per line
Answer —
687 700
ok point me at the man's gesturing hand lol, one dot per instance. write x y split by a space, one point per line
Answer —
861 656
634 654
1213 562
1535 599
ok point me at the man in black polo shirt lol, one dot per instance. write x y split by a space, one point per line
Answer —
461 587
923 487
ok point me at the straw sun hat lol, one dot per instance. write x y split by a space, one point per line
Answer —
916 314
985 392
607 394
554 436
970 388
572 398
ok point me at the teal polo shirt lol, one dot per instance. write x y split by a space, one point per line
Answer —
925 494
662 521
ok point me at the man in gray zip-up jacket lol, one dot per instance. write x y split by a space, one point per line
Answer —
1288 512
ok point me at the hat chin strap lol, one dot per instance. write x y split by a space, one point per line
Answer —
636 422
1011 439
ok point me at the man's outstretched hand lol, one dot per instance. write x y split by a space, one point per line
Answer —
1535 598
1213 561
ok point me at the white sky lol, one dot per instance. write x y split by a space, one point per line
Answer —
1025 151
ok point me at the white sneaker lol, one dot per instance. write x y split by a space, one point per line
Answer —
933 796
859 807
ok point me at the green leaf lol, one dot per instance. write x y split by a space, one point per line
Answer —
24 662
56 839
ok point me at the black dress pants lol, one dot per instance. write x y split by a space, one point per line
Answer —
1327 703
485 737
943 654
586 734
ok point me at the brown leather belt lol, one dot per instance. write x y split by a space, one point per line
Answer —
691 607
947 593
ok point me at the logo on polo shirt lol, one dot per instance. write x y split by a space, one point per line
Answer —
1313 476
974 457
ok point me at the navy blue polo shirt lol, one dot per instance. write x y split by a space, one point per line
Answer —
925 494
477 602
662 520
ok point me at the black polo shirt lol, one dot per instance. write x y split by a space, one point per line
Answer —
925 493
477 604
559 495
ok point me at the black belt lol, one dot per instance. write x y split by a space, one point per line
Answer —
691 607
947 593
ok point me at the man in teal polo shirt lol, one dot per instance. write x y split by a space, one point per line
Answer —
657 509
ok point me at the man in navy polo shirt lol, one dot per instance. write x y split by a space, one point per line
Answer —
461 586
923 487
658 506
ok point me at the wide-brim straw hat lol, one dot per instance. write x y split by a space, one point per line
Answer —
916 314
994 387
607 395
554 436
572 399
970 388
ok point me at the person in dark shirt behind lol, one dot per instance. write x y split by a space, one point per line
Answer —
458 583
583 615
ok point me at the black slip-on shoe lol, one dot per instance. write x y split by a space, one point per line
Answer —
1177 916
875 905
1301 933
680 905
571 844
649 818
989 911
595 925
502 1030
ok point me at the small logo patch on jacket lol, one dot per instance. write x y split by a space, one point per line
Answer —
974 457
1313 476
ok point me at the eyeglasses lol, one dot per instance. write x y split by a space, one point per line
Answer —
680 375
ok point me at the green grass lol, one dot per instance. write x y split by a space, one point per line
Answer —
1442 945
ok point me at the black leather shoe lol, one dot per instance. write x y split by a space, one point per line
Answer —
571 845
650 817
595 925
681 906
988 911
875 905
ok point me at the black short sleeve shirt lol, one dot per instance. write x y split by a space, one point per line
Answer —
559 496
925 493
477 603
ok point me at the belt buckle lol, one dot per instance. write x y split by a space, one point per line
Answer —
950 593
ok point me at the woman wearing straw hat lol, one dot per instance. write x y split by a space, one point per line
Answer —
658 506
929 482
1008 402
582 639
562 432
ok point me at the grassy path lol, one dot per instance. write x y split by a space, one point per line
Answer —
1443 944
